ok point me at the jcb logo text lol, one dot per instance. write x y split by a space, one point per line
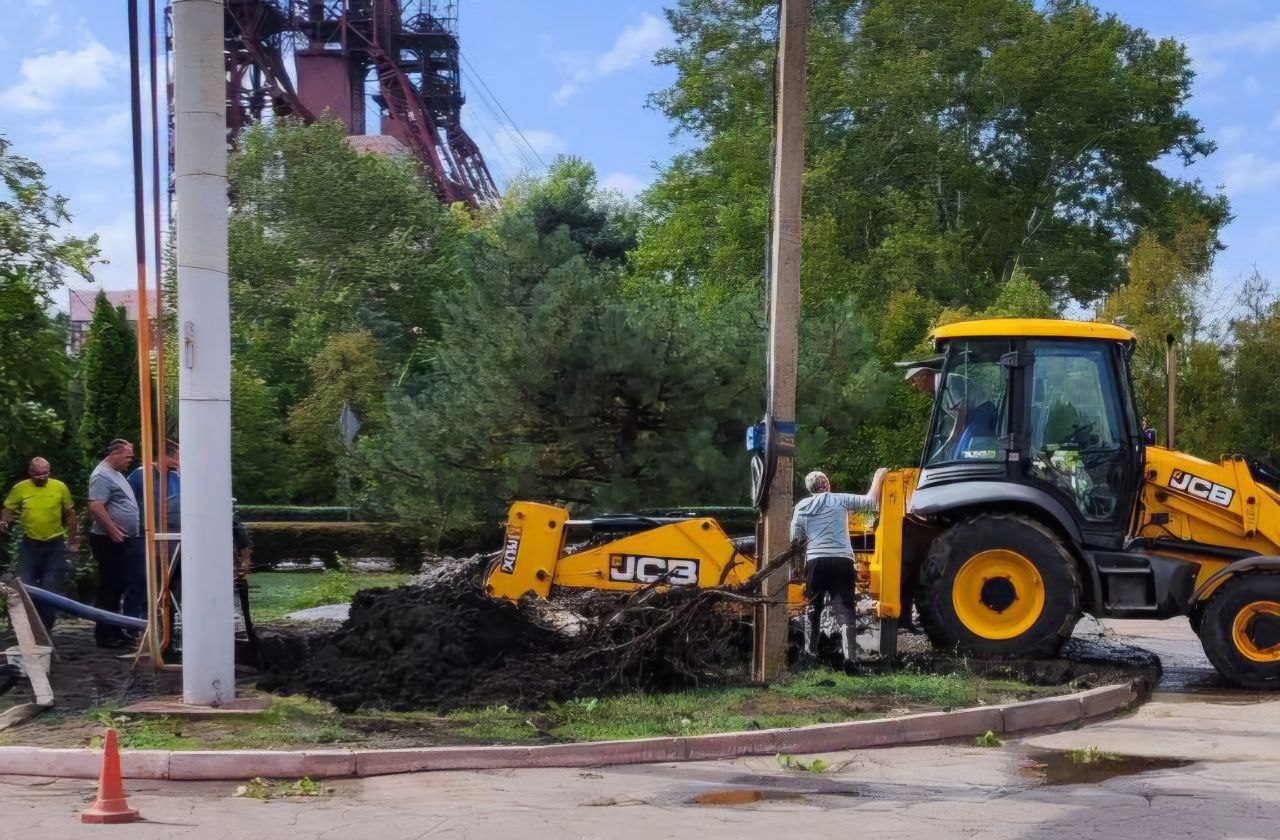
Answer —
1201 487
639 568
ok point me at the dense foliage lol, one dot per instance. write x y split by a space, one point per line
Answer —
976 158
109 376
36 256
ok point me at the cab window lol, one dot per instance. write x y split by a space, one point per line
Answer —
1077 432
971 414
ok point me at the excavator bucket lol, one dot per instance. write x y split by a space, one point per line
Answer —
530 553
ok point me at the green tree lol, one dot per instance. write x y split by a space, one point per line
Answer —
348 371
558 377
261 463
948 145
35 258
34 370
1256 389
1167 295
324 241
109 364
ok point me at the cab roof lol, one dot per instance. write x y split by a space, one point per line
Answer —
1032 328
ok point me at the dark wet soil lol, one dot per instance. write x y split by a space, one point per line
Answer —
84 675
444 644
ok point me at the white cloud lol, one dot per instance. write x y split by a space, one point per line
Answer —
636 44
1233 135
44 78
101 141
1246 172
629 185
1210 51
116 247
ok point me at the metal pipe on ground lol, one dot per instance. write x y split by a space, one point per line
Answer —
79 610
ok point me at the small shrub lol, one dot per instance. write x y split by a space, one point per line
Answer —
1091 755
988 739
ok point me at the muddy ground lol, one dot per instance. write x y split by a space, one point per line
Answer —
442 644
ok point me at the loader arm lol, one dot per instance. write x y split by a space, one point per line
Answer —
691 552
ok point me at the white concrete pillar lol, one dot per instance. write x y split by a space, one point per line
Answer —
204 339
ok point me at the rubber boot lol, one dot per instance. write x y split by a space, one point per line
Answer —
809 654
849 649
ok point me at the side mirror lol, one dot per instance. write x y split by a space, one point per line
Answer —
1149 436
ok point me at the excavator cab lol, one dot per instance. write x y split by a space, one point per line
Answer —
1051 418
1039 497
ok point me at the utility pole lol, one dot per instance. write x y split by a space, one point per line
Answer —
769 656
204 334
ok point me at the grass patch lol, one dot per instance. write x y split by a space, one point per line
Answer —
273 595
1091 755
287 722
988 739
819 696
263 789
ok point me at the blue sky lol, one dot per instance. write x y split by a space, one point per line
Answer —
573 76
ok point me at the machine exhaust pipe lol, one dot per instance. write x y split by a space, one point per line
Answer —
1171 379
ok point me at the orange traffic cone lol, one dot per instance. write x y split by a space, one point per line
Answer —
110 806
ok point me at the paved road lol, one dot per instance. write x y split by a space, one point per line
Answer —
1209 767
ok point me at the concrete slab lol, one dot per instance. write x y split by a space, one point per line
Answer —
1196 731
172 706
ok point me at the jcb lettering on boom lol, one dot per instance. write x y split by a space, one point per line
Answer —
1201 487
510 551
637 568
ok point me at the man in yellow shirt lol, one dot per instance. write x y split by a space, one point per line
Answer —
43 507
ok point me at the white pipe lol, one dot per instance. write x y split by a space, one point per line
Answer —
204 335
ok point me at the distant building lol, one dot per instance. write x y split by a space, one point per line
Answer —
80 308
378 144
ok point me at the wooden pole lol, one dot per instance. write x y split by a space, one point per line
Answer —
769 657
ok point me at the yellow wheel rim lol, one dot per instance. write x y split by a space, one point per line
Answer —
998 594
1243 638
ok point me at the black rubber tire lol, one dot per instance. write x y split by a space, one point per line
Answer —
985 532
1216 624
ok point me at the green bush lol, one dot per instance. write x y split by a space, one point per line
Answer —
294 513
274 542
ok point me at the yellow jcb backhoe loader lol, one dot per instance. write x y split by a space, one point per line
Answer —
1039 496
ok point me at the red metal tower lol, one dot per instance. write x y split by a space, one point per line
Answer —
407 48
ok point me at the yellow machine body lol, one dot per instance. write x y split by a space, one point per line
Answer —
691 552
1206 504
880 570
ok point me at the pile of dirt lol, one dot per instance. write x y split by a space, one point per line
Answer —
442 643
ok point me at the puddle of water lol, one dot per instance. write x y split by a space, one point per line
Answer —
743 796
1088 767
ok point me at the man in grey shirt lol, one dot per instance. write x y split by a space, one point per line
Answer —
821 523
116 541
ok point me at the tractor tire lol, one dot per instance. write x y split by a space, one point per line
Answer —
1240 630
999 585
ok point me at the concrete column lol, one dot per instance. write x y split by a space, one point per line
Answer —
204 336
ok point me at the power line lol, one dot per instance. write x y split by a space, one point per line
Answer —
512 122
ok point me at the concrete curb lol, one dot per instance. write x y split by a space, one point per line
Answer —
826 737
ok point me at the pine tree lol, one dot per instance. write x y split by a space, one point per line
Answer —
110 374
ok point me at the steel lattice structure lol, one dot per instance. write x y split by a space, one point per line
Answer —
408 49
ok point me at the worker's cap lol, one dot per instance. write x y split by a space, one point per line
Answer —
930 365
815 478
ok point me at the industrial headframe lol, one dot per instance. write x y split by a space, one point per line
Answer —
407 49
